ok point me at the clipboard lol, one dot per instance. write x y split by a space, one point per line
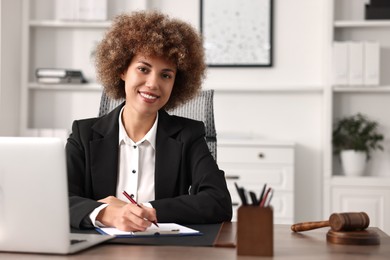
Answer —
164 229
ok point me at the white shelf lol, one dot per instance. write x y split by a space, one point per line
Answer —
362 89
277 89
65 87
361 181
356 24
226 139
70 24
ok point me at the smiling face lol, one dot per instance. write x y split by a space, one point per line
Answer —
148 84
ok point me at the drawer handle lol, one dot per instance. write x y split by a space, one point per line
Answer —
234 204
232 177
261 155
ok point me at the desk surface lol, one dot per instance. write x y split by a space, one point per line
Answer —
287 245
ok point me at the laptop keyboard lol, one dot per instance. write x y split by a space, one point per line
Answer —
76 241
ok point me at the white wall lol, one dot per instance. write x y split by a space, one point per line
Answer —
10 35
290 117
243 107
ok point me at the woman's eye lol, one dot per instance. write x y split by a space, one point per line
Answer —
166 76
142 69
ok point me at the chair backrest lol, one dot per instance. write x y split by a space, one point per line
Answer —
201 108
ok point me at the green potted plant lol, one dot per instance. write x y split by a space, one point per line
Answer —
354 139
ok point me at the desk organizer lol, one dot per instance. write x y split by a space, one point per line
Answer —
255 231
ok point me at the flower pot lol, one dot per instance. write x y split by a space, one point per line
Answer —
353 162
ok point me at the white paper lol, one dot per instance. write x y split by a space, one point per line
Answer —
163 229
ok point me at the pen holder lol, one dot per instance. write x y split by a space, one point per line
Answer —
255 231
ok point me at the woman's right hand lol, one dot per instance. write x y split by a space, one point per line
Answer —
126 216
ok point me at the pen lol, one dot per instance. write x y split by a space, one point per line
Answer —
136 203
253 198
241 193
262 203
268 202
262 193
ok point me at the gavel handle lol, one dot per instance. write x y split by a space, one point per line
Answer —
309 225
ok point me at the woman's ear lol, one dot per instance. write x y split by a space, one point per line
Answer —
123 76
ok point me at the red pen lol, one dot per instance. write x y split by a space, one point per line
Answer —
262 203
136 203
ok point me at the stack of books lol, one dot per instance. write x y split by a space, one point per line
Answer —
59 76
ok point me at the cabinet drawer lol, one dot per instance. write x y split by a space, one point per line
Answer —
277 177
255 154
283 207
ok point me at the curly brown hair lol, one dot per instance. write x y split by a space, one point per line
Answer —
152 34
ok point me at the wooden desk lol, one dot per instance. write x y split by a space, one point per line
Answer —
287 245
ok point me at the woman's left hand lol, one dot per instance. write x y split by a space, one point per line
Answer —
114 201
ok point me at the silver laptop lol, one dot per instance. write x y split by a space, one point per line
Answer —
34 213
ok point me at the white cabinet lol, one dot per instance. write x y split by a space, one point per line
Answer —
51 43
253 163
370 192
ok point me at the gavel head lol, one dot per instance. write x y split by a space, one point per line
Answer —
349 221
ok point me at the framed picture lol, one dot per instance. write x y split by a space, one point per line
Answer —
237 33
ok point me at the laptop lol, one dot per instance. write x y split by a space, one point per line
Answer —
34 212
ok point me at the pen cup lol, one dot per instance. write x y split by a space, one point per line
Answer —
255 231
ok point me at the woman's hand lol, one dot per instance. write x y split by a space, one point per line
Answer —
114 201
124 216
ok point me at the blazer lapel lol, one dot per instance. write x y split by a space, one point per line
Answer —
168 150
104 154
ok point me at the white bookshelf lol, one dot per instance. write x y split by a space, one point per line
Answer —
371 192
48 42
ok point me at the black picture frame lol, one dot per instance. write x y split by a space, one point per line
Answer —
237 33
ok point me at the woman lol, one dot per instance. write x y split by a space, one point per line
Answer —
163 161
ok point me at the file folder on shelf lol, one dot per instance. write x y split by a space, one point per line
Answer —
355 63
340 63
371 63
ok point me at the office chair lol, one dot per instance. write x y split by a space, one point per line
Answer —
200 108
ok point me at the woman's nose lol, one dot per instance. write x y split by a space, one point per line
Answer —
152 81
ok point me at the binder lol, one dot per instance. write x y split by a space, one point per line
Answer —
371 63
355 63
340 63
86 10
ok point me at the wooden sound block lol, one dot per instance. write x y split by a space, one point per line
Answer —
362 237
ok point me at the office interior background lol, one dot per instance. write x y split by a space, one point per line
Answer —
292 102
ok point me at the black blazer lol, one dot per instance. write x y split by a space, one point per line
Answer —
189 187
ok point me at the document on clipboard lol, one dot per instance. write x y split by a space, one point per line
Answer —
163 229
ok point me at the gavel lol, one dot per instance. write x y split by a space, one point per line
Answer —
348 221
